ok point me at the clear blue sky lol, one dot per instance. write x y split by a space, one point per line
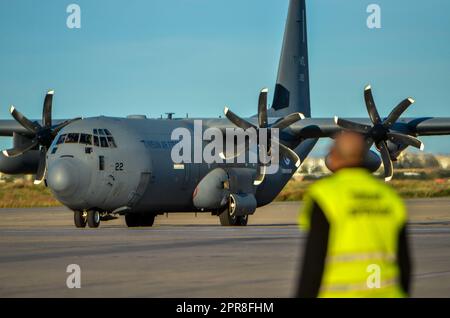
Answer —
195 56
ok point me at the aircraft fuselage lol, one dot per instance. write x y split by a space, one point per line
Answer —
122 165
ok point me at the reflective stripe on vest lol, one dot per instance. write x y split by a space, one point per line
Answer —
362 257
357 287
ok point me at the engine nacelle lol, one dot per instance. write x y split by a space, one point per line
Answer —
372 161
242 204
26 163
212 191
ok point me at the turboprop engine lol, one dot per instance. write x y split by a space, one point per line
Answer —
25 163
232 188
213 190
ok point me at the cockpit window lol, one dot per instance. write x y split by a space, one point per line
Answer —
61 139
103 138
103 142
86 139
111 142
72 138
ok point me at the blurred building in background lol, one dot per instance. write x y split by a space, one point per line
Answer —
408 163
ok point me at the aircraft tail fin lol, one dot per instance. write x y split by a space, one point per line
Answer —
292 86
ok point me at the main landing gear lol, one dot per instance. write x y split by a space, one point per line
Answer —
228 217
139 219
80 218
235 213
91 218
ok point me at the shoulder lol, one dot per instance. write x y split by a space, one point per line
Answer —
395 200
323 184
322 190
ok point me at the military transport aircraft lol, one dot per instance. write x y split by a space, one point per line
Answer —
105 166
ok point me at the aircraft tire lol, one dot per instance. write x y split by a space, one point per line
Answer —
79 219
147 219
132 219
226 219
229 220
242 220
93 219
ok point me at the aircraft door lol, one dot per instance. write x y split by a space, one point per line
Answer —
105 177
104 174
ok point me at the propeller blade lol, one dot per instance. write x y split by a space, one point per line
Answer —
235 119
20 150
40 174
262 108
64 124
288 120
261 176
238 149
47 110
25 122
262 166
369 142
350 125
288 152
371 107
223 156
387 162
406 140
397 112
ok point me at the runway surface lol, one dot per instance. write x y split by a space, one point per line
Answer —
188 256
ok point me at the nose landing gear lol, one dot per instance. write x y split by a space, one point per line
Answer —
91 218
80 218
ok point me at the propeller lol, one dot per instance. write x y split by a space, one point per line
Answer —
43 134
263 123
380 132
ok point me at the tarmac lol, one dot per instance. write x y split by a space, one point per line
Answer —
184 255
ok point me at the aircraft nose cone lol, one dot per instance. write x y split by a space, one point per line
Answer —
62 177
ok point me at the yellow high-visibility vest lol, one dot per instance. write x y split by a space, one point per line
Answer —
365 217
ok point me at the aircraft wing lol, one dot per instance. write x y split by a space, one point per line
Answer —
306 128
10 126
327 127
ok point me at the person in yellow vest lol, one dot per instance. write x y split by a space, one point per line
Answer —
356 244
